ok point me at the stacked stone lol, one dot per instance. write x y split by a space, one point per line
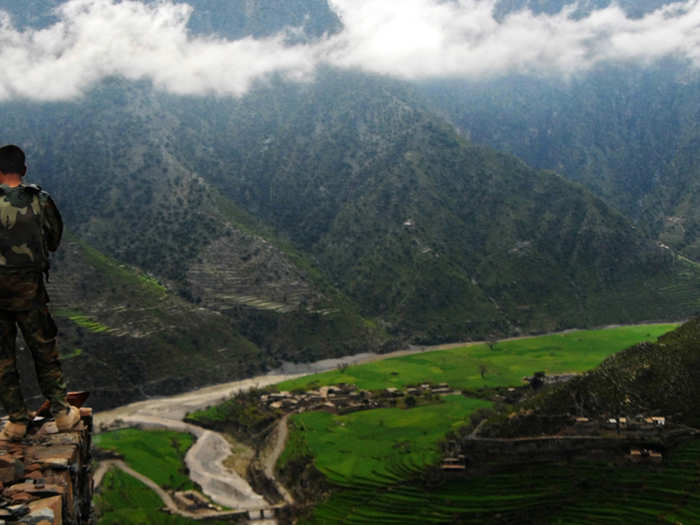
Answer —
45 479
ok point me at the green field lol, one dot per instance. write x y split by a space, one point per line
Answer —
158 455
374 458
82 320
382 445
504 365
582 493
123 500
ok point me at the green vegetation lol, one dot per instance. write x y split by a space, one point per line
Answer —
114 313
82 320
152 283
122 500
650 378
75 353
504 365
157 455
385 215
612 130
576 494
240 416
366 194
381 206
383 445
121 274
378 461
245 414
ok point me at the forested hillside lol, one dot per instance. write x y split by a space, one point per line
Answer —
627 133
123 336
345 213
425 230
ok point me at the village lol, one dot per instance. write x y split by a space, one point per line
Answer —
637 439
346 398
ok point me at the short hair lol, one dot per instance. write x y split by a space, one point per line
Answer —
12 159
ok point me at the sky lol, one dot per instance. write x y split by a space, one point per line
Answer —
409 39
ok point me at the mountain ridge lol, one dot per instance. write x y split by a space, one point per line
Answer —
323 218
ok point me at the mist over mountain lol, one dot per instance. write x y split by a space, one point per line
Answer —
305 207
62 51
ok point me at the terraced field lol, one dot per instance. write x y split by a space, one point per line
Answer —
243 268
381 446
582 493
376 459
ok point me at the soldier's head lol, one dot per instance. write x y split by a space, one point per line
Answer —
12 161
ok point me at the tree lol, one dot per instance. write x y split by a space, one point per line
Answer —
491 341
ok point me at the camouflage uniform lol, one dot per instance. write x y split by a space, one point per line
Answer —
30 227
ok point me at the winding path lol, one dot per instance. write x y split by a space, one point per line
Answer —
279 440
205 458
168 501
205 462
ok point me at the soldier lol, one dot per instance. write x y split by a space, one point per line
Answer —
30 227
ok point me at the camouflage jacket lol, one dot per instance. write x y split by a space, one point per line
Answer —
30 227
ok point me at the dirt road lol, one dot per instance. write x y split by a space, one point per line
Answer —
278 442
168 501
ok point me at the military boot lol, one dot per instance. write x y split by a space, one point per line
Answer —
68 419
13 431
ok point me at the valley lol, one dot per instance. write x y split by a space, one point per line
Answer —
346 261
316 433
302 221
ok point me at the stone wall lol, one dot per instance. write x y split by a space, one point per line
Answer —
46 479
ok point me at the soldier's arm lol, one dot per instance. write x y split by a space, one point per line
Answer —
53 225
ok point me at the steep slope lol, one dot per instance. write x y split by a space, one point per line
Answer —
628 133
338 215
661 379
431 234
142 199
123 336
433 238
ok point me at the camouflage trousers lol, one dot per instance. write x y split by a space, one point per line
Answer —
39 332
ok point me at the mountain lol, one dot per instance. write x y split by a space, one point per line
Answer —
356 198
627 133
413 222
214 237
231 19
123 336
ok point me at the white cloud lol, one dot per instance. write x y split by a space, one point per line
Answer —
408 38
98 38
424 38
